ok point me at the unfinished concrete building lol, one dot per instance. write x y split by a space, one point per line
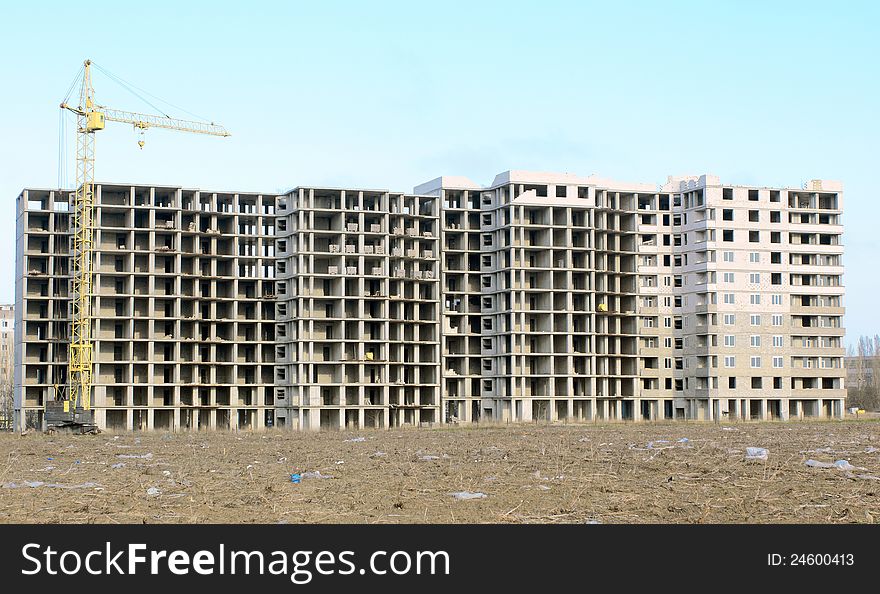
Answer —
581 298
762 295
358 333
184 311
540 310
541 296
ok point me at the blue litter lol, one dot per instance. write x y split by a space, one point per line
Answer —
295 478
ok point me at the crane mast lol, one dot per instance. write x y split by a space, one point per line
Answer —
79 354
72 407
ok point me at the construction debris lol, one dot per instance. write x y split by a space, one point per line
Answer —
757 453
465 495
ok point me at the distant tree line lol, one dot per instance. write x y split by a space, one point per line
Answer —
863 373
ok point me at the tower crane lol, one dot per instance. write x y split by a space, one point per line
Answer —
72 406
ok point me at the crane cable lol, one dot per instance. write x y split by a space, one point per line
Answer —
73 84
62 132
62 154
134 91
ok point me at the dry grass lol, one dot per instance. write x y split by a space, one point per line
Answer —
530 474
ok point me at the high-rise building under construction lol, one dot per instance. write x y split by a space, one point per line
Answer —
539 297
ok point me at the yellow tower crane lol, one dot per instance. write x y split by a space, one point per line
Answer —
72 407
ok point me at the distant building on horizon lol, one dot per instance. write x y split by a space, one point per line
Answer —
7 364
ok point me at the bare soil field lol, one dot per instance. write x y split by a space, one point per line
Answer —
615 473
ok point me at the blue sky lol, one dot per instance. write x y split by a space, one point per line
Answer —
390 94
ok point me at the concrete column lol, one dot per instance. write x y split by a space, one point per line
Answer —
784 409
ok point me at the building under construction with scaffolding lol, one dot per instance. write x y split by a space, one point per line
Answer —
541 296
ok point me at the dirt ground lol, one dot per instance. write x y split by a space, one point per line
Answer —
690 472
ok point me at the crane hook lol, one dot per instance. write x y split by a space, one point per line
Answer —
141 140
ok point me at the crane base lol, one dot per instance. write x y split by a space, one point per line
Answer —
73 421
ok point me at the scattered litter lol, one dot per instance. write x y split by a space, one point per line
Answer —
684 440
166 473
295 478
377 454
429 457
845 465
117 465
544 487
35 484
756 453
47 469
651 445
825 450
728 429
593 521
356 439
142 456
340 462
839 464
583 439
816 464
50 459
464 495
871 450
152 491
315 475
